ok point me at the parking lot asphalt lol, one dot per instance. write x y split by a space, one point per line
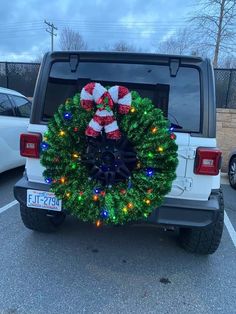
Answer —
132 269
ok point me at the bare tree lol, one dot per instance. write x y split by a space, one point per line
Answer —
179 43
214 23
71 40
123 46
227 62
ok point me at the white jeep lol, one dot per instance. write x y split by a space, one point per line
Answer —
183 87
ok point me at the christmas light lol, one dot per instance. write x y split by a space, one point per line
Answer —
95 198
98 223
68 194
44 146
67 115
149 172
173 136
104 213
171 129
145 112
139 165
145 215
130 205
147 201
132 109
150 154
125 210
79 197
73 166
160 149
76 129
103 193
154 130
122 191
62 133
48 180
62 179
75 155
97 191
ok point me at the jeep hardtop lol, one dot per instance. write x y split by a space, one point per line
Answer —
183 87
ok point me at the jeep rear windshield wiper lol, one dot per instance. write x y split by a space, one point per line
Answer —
176 126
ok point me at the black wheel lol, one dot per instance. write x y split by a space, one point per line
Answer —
204 241
232 172
41 220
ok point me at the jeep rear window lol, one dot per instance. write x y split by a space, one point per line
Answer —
178 97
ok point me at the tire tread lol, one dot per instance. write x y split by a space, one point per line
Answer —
204 241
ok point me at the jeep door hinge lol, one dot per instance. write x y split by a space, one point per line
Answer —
188 182
191 153
174 67
74 61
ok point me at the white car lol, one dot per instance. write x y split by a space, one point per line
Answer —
14 119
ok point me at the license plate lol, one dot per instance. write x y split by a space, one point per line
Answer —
44 200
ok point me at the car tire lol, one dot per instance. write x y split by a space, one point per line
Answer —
41 220
204 241
232 172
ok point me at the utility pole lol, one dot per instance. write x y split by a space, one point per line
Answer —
50 30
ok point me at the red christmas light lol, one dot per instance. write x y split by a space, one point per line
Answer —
173 136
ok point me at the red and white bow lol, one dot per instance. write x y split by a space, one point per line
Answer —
105 100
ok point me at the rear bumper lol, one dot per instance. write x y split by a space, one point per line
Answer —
174 212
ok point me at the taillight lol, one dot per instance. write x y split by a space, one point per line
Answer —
207 161
30 145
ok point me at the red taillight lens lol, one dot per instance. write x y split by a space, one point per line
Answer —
207 161
30 145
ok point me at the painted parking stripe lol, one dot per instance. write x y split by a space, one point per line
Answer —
13 203
230 228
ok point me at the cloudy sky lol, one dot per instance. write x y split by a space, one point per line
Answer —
101 23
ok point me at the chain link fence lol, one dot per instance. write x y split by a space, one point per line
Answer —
19 76
225 88
22 78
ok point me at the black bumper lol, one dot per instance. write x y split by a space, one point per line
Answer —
174 212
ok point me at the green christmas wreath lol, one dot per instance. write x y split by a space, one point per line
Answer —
106 180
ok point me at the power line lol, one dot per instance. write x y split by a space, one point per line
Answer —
51 32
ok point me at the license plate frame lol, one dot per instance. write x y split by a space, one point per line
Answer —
43 200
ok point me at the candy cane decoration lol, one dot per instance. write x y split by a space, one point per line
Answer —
105 99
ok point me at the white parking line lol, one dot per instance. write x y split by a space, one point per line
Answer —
2 209
230 229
